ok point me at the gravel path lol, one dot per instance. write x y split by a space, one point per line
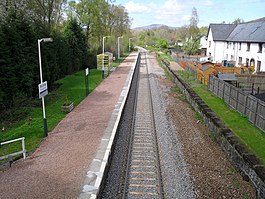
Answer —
175 66
57 168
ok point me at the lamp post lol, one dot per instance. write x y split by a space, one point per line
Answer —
41 81
103 51
130 44
119 47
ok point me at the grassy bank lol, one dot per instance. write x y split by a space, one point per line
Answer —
71 87
250 135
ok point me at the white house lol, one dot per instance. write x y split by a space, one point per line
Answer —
243 43
203 45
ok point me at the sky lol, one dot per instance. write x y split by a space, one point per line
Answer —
177 13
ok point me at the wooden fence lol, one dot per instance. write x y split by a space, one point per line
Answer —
244 103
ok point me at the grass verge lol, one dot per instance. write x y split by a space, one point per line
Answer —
250 135
31 126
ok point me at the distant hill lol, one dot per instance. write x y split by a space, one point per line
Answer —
153 26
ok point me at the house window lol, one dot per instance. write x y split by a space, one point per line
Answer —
226 56
209 44
240 60
227 45
232 58
247 62
260 48
248 46
258 66
240 46
234 45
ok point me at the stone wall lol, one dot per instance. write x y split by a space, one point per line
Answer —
248 164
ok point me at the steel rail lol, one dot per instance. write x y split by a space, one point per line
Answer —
143 174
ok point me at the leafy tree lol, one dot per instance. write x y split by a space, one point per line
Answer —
76 40
238 21
49 12
194 20
203 30
191 44
162 43
16 58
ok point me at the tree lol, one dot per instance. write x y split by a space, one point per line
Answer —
162 43
238 21
92 16
49 12
118 20
16 58
191 44
203 30
76 40
194 20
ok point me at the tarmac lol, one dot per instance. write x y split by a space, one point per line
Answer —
71 161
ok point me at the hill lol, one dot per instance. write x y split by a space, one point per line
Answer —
154 26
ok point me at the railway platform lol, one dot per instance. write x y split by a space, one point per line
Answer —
61 166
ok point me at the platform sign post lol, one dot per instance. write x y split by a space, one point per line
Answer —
87 83
43 88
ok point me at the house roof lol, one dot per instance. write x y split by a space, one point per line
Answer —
206 67
221 31
227 77
260 96
252 31
249 32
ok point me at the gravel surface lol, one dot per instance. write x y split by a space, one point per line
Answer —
175 175
213 174
193 165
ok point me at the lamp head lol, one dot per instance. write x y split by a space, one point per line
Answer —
47 39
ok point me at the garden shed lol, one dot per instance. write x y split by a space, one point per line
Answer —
204 72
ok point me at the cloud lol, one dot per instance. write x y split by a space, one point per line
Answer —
133 7
167 11
172 7
186 17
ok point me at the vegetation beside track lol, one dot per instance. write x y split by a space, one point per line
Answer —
30 124
27 121
251 136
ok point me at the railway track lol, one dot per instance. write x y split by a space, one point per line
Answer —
143 175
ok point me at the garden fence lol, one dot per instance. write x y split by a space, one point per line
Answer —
244 103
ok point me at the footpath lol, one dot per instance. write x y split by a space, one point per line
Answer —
57 169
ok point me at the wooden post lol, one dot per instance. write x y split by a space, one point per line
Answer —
229 95
223 90
246 102
237 98
256 110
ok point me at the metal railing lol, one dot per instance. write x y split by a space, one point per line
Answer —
16 153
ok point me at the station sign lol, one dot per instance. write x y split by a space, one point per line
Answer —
43 89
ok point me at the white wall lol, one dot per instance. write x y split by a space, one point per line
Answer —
215 49
219 51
